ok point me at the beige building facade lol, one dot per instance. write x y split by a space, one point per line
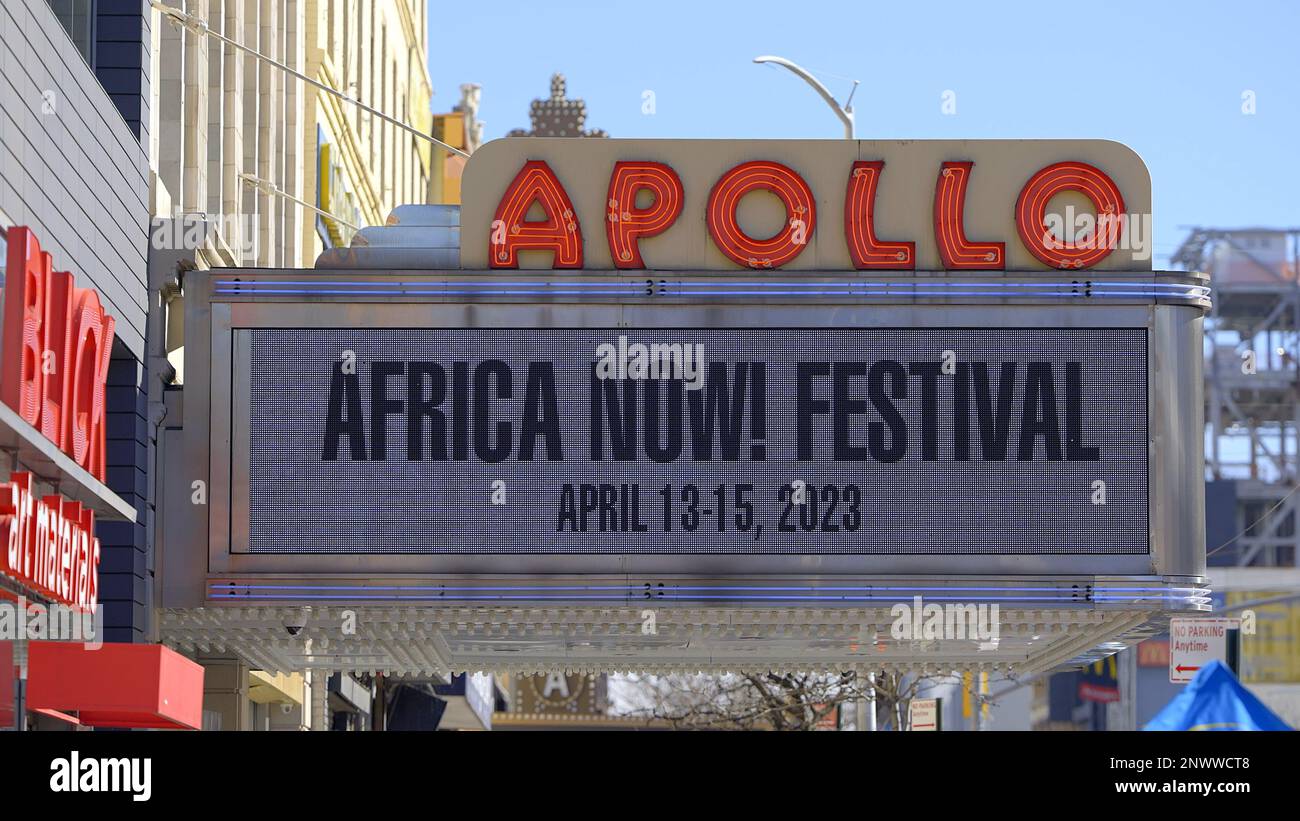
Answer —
253 165
254 149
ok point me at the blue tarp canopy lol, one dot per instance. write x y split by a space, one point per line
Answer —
1216 700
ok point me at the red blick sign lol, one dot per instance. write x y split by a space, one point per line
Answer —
57 345
48 543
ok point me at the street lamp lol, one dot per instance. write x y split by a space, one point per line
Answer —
845 113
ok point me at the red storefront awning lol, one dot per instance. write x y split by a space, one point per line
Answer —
117 685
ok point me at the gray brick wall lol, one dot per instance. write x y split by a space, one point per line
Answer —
70 166
122 38
125 577
76 172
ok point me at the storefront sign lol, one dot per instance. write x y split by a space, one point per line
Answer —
1099 681
57 342
333 195
48 543
560 694
869 206
696 440
1153 653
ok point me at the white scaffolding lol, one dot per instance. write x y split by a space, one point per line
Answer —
1252 390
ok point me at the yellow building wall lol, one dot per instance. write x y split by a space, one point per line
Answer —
448 168
1272 653
377 52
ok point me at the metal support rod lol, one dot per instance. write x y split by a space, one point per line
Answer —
268 187
200 26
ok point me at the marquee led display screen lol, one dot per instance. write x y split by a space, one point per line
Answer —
693 441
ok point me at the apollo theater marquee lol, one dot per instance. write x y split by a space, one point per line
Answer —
704 405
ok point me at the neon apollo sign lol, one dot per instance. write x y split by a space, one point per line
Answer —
616 458
1075 242
432 392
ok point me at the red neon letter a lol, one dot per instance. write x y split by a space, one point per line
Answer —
559 232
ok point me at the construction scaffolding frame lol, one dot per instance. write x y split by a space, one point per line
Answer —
1252 391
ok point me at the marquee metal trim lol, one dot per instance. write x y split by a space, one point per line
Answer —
1082 592
605 286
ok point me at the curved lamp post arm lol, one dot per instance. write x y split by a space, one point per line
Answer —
845 114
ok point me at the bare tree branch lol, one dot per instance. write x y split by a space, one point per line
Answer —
769 701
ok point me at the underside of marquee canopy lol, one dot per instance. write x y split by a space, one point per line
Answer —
438 640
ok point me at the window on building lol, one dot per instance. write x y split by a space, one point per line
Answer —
372 55
390 136
381 144
345 52
78 18
400 156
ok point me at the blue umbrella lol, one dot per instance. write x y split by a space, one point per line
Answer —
1216 700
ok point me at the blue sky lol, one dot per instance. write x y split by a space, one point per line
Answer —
1165 77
